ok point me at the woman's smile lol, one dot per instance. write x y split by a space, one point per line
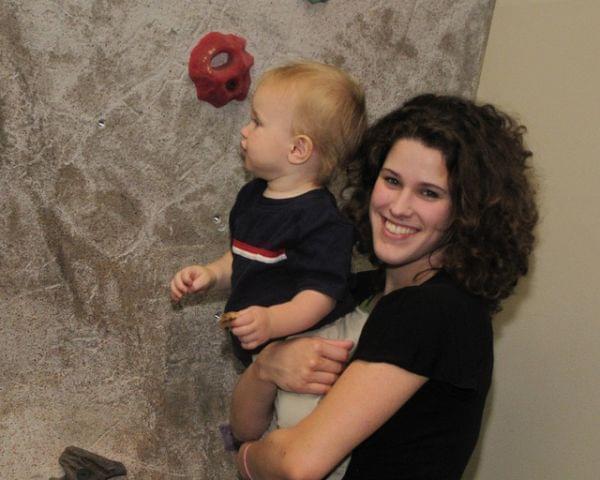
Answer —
399 230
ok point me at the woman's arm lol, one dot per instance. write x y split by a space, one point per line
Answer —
363 399
301 365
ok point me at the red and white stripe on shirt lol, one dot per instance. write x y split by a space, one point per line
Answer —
258 254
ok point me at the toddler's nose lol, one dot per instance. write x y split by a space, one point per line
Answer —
244 130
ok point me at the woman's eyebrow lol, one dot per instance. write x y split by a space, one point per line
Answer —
421 184
389 170
433 185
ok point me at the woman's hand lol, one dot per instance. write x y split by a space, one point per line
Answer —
303 365
241 461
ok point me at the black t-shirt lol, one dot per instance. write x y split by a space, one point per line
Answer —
439 331
284 246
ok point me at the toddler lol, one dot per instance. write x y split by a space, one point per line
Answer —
290 249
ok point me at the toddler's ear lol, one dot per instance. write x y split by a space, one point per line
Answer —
301 149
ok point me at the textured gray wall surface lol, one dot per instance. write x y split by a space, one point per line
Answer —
95 218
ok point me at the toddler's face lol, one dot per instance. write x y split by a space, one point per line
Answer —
267 139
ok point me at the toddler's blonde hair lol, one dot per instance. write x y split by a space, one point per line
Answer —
329 107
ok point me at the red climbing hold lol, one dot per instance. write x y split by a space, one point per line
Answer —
219 82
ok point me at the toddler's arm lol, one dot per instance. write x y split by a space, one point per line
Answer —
255 325
201 278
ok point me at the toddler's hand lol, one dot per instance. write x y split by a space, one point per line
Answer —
192 279
252 326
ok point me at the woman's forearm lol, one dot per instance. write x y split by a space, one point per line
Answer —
267 459
344 418
251 405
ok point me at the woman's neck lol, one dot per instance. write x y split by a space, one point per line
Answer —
410 275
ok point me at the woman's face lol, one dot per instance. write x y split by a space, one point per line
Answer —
410 206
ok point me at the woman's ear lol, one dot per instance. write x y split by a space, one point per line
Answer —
301 150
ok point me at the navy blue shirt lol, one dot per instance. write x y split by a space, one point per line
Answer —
284 246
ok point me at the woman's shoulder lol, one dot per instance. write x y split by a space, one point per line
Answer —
437 299
440 294
436 310
436 329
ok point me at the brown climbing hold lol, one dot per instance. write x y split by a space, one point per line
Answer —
79 464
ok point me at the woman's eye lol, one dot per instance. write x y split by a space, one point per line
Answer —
391 180
430 193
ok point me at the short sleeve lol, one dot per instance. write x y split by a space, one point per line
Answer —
321 257
433 332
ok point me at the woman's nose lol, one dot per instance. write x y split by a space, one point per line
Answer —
402 204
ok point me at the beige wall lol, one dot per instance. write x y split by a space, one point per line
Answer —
543 421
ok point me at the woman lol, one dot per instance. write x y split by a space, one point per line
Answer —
443 204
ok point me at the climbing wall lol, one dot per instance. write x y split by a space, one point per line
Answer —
113 175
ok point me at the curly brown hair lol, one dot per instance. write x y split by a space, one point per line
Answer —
490 236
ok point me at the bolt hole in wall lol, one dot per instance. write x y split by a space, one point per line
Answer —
231 85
